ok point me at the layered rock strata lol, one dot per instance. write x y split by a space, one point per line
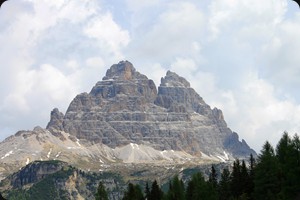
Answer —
126 107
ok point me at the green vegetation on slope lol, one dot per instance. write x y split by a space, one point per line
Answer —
274 176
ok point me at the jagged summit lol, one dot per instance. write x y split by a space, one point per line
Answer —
124 70
173 80
127 108
122 80
56 119
125 118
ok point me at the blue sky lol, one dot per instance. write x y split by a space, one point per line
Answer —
241 56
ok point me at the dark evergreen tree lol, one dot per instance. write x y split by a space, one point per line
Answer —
190 190
235 182
224 185
288 156
252 164
176 190
213 177
283 148
170 193
266 175
147 191
101 193
195 187
134 192
156 193
199 189
295 172
285 161
245 181
250 189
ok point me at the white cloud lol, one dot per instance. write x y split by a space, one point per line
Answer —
261 115
136 5
175 32
48 59
181 65
281 52
95 62
225 15
107 33
48 82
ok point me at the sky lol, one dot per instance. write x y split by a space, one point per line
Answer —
241 56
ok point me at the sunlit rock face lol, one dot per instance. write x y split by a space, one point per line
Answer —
126 107
125 119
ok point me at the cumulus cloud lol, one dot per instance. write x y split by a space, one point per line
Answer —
174 32
107 34
136 5
52 54
262 115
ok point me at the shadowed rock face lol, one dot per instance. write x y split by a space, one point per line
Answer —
35 172
125 107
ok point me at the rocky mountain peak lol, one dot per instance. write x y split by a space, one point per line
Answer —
125 118
123 84
124 70
126 108
173 80
56 119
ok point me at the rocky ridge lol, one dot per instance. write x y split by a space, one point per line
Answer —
46 180
126 119
125 107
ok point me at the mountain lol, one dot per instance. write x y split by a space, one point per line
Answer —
125 107
125 118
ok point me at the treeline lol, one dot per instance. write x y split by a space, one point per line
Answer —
274 175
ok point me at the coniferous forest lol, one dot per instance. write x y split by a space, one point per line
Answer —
273 175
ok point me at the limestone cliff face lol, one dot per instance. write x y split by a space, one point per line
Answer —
125 107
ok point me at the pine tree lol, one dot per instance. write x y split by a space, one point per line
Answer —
252 164
290 169
295 173
176 190
199 189
251 177
235 183
147 191
101 192
285 161
266 179
196 187
156 193
170 194
213 177
224 185
283 148
134 192
245 181
190 190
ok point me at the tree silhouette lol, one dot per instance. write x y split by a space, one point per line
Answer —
156 193
224 185
101 193
133 192
266 179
